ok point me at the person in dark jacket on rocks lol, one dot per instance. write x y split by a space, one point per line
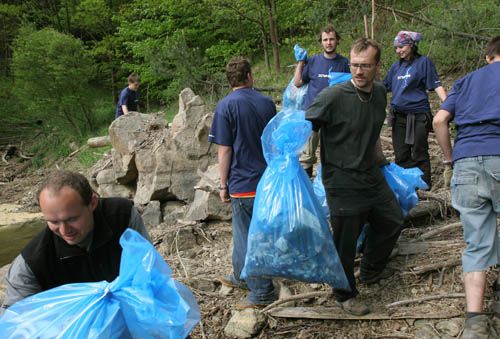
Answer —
80 242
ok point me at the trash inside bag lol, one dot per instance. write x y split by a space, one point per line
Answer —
319 191
293 97
289 235
404 182
337 78
142 302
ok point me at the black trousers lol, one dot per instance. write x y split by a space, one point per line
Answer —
416 155
385 219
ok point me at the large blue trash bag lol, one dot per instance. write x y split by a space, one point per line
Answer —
293 97
319 191
142 302
289 234
337 78
404 182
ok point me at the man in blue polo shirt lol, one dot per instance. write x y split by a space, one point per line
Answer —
474 106
238 124
129 97
314 71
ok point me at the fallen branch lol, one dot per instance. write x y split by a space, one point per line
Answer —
296 297
434 267
442 229
99 141
427 298
334 313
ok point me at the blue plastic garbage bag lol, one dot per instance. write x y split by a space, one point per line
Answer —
293 97
289 234
319 191
404 182
337 78
142 302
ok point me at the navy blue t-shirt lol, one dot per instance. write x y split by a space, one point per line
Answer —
474 102
409 83
128 98
239 121
315 73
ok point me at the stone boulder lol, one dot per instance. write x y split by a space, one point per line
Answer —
152 214
245 324
173 211
207 204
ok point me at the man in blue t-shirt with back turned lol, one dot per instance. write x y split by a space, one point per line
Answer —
237 127
315 71
129 97
474 169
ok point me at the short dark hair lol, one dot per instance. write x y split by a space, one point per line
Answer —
328 29
237 71
133 78
493 47
56 180
362 44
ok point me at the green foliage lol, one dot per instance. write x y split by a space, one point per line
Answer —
52 72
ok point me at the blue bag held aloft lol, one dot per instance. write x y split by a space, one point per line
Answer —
293 97
289 234
142 302
337 78
404 182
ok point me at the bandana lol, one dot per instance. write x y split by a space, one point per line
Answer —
407 38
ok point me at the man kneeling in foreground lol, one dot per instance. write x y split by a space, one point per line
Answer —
80 242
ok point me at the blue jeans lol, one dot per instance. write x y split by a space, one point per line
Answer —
475 188
261 290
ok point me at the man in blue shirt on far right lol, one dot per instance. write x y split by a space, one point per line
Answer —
129 97
474 169
315 72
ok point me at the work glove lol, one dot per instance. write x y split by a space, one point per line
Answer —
447 174
300 53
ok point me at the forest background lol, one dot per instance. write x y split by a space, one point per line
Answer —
64 62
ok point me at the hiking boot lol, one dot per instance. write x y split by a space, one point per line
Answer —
478 327
230 280
354 306
373 278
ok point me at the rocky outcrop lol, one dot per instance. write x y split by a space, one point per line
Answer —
154 161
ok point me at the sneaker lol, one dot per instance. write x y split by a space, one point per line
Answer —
354 306
478 327
374 278
230 280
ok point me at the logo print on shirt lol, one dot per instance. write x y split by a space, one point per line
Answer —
405 77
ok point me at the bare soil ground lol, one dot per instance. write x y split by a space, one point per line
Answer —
200 254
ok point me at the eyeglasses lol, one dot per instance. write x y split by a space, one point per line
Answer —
364 67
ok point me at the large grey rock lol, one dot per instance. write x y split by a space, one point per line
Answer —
3 274
172 211
152 214
191 126
106 176
115 190
245 324
124 166
450 327
207 204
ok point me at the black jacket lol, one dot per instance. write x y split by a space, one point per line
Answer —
55 263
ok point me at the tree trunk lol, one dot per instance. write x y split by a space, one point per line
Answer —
266 51
273 32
